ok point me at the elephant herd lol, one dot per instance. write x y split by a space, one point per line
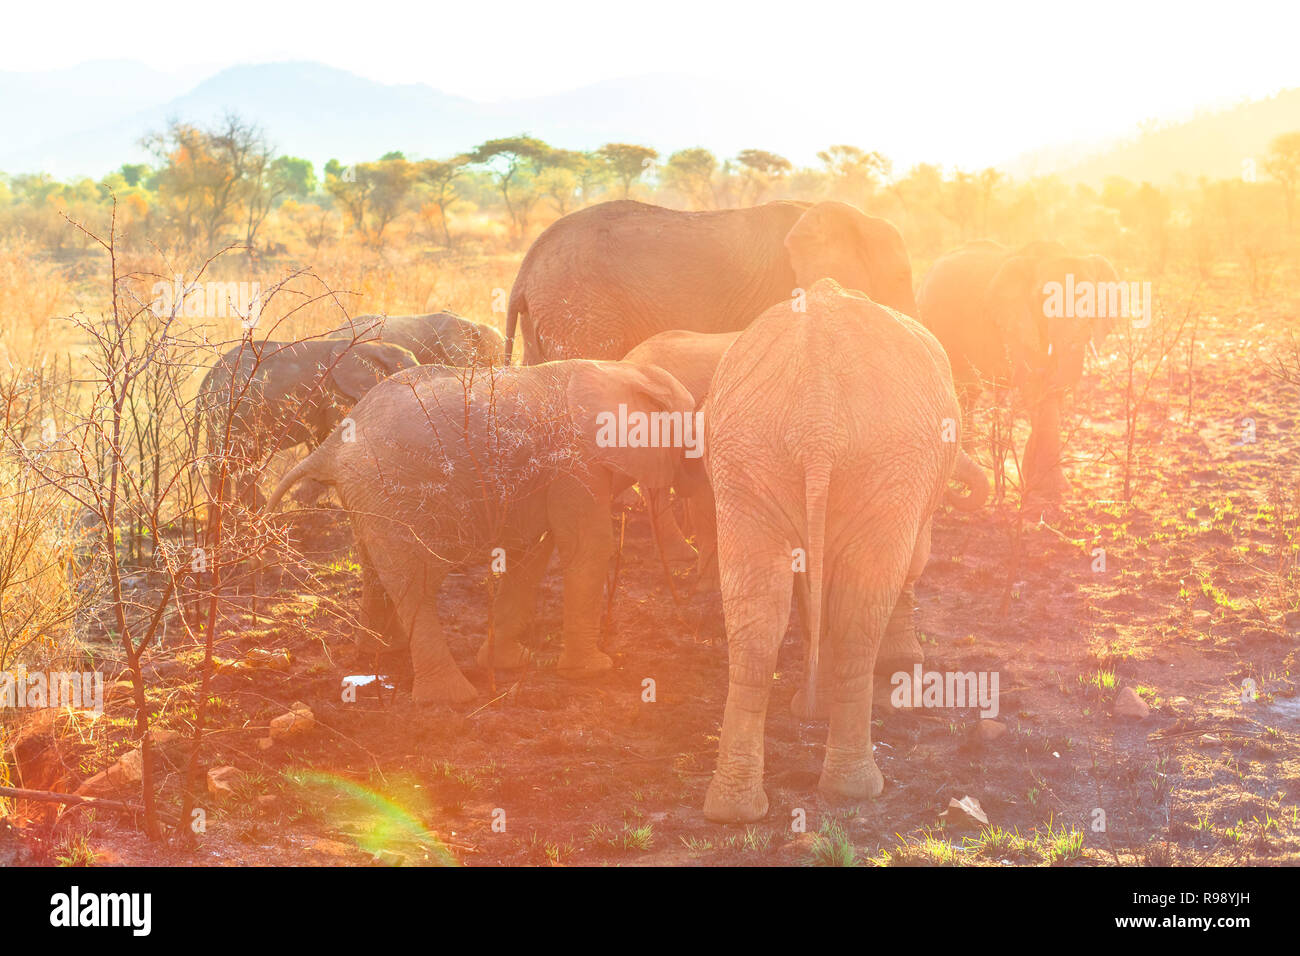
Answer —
771 366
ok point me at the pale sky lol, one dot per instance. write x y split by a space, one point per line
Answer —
1016 73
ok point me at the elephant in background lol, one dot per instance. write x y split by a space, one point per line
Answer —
987 306
826 451
275 395
445 469
691 358
438 338
603 279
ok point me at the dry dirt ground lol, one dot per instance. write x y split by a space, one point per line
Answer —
1196 598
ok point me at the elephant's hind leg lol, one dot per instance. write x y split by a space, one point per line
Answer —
757 583
436 678
863 593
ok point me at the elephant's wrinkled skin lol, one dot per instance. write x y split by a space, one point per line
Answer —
438 338
601 280
276 395
826 453
986 305
445 468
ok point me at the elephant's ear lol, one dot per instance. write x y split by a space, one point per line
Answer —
822 241
837 241
355 371
609 400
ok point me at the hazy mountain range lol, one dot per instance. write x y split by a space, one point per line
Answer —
89 119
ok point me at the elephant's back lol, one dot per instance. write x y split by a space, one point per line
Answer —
690 357
600 281
846 378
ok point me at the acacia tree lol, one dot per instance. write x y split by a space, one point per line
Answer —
205 174
440 176
690 172
628 162
760 170
515 162
1283 164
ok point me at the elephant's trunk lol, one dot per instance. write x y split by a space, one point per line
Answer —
817 479
309 467
972 476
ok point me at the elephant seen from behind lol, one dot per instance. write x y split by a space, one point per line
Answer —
828 452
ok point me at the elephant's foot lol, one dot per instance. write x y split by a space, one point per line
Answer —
727 801
899 651
448 688
576 664
822 711
851 778
506 655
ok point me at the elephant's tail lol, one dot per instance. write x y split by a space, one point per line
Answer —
309 467
518 305
817 482
977 483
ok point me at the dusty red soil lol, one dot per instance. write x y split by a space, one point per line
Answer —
1198 594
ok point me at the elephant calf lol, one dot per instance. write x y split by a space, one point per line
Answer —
691 358
270 396
513 464
990 309
439 338
827 457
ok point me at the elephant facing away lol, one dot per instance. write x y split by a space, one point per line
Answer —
692 358
826 451
599 281
276 395
438 338
991 309
446 469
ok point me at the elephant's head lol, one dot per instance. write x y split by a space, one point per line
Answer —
355 368
638 420
1047 306
837 241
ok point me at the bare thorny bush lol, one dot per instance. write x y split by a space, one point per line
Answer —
119 534
1137 353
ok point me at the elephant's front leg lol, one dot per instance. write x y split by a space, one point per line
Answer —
1044 476
757 580
515 606
579 519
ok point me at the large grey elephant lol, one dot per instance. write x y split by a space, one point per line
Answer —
438 338
827 454
605 278
263 396
692 358
445 469
992 310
